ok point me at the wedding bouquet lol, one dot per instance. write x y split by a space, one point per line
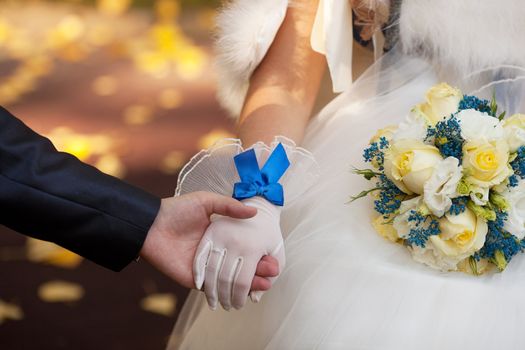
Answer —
449 182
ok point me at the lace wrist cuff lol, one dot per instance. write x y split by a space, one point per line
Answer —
214 170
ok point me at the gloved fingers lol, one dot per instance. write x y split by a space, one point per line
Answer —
229 270
243 281
199 262
213 268
280 256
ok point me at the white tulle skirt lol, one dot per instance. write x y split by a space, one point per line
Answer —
344 286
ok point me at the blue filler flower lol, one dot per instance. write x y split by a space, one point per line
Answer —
423 228
472 102
518 164
499 240
448 138
376 152
459 205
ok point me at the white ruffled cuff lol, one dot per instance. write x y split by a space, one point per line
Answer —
213 170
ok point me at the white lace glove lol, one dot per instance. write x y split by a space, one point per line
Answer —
230 250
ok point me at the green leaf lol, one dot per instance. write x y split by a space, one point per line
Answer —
362 194
499 260
368 174
473 265
493 105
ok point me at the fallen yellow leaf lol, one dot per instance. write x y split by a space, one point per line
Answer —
138 114
113 7
170 99
10 312
209 139
162 304
173 162
60 292
49 253
111 165
105 85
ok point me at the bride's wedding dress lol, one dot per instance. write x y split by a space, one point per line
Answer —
345 287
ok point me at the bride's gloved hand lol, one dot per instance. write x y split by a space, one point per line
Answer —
227 257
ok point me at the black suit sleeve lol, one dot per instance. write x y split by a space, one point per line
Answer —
53 196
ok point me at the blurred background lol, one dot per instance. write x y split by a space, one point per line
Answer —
127 86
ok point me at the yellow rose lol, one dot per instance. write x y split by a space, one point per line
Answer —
385 229
410 163
441 101
515 131
387 132
486 163
461 235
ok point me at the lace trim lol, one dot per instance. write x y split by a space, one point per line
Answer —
213 169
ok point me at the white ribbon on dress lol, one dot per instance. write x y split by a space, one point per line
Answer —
332 36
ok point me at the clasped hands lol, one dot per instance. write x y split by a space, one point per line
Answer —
233 254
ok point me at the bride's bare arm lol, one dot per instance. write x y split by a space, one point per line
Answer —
284 87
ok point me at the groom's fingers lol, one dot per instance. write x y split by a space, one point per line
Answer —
222 205
260 284
278 254
268 267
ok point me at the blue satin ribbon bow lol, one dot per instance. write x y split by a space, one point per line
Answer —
264 182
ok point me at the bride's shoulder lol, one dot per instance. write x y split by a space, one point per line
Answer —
245 29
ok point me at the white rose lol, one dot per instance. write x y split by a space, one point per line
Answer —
515 197
410 163
515 131
441 101
476 125
401 223
442 186
431 257
413 127
461 235
424 255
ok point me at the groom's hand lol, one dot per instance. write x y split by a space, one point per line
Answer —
178 229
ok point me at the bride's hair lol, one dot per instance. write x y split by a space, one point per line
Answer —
370 15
